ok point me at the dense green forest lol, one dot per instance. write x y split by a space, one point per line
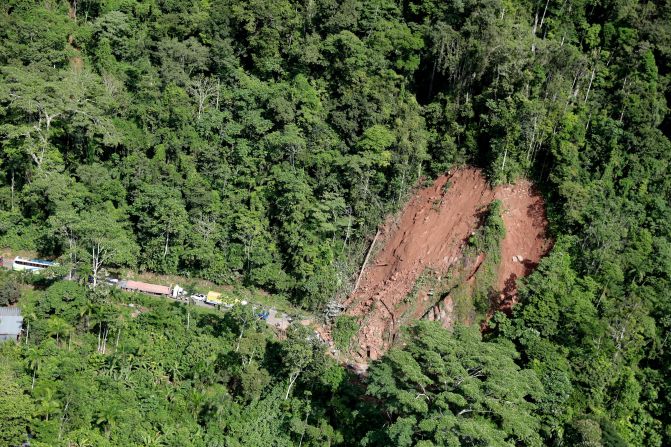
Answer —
259 143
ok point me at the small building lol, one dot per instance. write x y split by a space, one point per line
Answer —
11 323
143 287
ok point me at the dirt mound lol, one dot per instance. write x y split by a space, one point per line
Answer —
428 239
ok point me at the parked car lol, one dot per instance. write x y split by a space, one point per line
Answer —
198 297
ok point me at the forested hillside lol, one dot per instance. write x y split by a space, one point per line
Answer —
261 143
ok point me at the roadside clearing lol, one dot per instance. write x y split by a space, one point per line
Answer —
275 310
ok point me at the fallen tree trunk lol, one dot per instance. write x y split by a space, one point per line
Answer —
365 261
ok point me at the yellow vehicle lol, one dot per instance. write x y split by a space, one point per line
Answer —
213 298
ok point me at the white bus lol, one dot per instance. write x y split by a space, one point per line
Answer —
33 265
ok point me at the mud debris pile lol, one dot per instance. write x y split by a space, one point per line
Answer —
428 239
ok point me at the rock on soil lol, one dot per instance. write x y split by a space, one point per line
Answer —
429 235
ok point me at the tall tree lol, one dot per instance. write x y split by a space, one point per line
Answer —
453 389
106 240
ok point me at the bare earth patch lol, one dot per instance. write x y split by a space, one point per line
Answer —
427 240
526 241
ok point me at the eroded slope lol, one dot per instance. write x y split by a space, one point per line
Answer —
429 238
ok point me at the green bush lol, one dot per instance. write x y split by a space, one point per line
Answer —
9 291
343 331
487 240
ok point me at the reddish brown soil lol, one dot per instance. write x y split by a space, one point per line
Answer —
429 235
526 241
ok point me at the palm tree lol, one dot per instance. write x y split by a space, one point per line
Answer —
34 357
196 399
107 416
28 317
48 404
174 371
152 440
126 366
58 327
86 311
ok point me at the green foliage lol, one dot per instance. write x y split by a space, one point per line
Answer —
586 432
95 369
487 241
451 389
492 230
16 408
9 290
186 153
258 143
344 330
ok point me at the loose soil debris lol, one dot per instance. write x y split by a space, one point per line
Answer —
427 240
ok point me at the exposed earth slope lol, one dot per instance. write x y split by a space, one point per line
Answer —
526 241
426 244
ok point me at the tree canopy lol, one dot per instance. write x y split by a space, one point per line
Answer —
259 144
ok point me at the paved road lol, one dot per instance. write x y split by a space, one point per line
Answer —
275 319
